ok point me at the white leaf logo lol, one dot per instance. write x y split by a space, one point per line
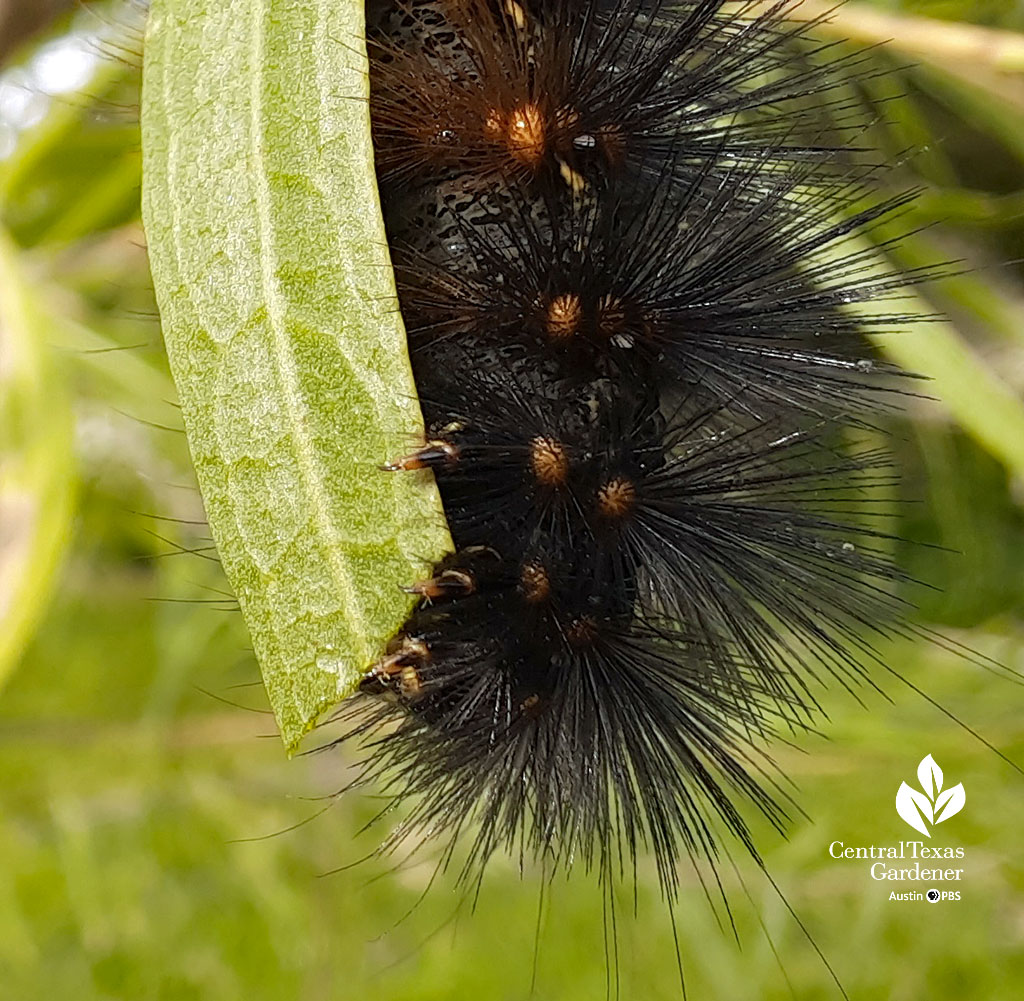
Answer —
950 803
932 806
915 808
929 774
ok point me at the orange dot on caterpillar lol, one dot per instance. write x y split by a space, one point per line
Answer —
549 461
616 498
582 632
534 582
563 316
523 131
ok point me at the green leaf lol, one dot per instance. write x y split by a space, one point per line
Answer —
277 297
36 467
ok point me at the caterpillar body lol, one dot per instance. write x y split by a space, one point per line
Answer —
622 268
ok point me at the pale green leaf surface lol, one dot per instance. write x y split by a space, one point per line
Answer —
36 469
276 294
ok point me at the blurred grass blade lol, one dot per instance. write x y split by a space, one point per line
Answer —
61 166
277 298
975 396
35 463
987 408
943 42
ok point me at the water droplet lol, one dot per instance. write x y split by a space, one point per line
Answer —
328 660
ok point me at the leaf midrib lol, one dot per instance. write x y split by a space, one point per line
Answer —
283 356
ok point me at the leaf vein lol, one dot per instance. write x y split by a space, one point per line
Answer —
285 362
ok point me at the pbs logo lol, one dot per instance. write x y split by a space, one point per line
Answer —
934 896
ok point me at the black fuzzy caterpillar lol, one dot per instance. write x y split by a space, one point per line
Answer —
627 291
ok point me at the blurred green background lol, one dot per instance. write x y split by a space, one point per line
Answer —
148 838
